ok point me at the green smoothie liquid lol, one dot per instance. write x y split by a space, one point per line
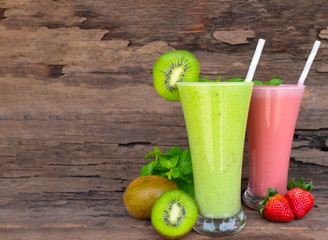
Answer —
216 116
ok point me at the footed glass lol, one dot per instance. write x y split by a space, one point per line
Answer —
215 116
270 129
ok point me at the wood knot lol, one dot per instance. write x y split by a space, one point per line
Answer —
234 37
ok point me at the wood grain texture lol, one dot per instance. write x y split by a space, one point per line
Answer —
78 110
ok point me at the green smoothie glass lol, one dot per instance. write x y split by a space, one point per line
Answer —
215 115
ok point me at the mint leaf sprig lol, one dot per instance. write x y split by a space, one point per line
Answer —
204 80
272 82
174 165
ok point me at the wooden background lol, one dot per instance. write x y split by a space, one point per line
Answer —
78 110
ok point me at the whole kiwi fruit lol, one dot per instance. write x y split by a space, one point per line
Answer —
142 193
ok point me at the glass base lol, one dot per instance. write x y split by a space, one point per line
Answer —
252 200
216 227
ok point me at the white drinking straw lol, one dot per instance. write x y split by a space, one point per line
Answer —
308 63
255 60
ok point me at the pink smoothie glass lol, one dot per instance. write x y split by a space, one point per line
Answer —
270 129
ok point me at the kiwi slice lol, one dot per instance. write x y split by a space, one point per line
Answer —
173 67
174 214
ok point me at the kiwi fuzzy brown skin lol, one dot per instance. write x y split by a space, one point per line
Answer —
172 67
142 193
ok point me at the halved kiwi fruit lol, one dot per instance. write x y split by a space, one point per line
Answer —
173 67
174 214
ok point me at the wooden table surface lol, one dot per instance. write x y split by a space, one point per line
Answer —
78 111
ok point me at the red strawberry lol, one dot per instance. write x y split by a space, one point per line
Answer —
276 207
299 197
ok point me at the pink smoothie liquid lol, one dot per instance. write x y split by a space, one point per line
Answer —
270 129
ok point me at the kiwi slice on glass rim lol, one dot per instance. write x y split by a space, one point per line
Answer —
174 214
173 67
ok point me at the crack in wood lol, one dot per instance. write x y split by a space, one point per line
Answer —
81 176
19 177
89 193
2 13
316 139
76 165
133 144
312 130
109 215
55 71
307 163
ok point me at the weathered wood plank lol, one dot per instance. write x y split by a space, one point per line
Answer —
89 204
78 110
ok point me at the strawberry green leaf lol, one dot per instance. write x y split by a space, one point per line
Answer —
271 192
291 184
300 184
262 202
308 187
261 209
